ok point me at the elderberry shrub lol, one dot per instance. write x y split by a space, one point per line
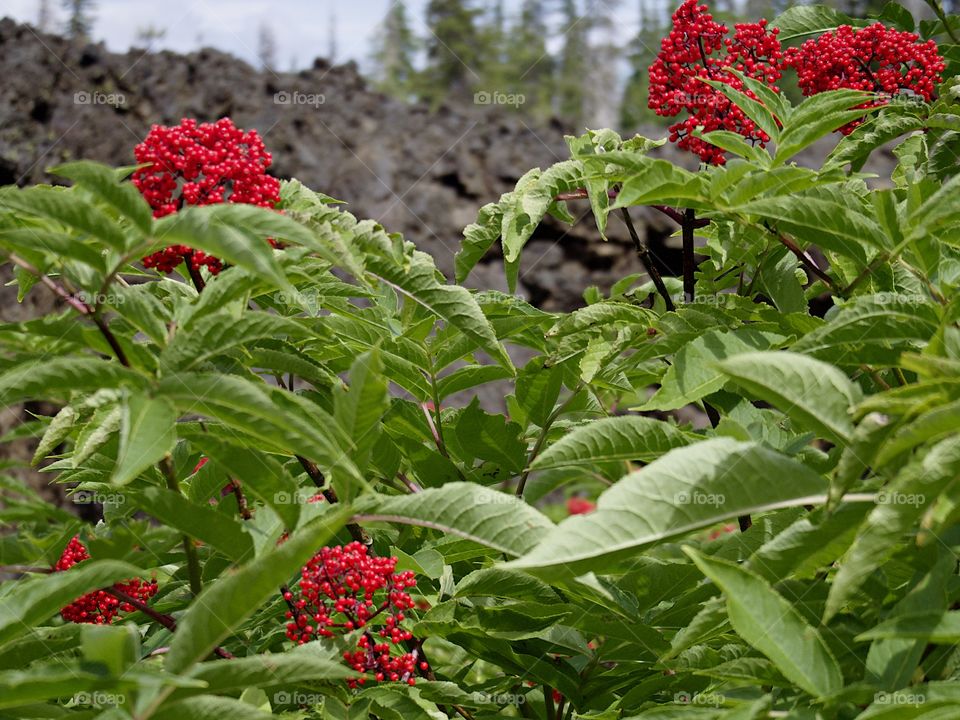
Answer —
293 422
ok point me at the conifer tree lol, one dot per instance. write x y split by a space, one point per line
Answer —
393 55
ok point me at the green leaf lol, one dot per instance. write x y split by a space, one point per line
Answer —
900 505
694 372
687 489
471 511
815 395
418 280
763 618
57 378
67 208
359 410
104 182
302 664
855 148
818 116
209 707
803 21
147 433
34 601
217 231
931 425
626 438
933 627
198 521
872 329
478 238
524 208
223 605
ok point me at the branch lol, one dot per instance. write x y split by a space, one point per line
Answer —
804 259
193 561
643 252
356 532
167 621
689 263
76 303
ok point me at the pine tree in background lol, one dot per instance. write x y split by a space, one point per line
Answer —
454 53
642 51
80 20
572 71
603 64
44 16
332 37
494 71
530 65
266 47
393 54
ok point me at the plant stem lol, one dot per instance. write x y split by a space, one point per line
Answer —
356 532
542 438
643 252
194 273
805 259
76 303
689 264
193 561
168 621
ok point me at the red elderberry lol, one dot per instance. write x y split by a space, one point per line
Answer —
201 164
875 58
344 589
696 50
580 506
100 607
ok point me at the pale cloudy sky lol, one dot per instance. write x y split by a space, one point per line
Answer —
301 27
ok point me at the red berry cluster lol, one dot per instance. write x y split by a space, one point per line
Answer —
343 589
201 164
100 607
876 59
696 50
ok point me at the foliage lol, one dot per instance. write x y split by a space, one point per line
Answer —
238 431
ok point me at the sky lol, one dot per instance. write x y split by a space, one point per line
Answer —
301 27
